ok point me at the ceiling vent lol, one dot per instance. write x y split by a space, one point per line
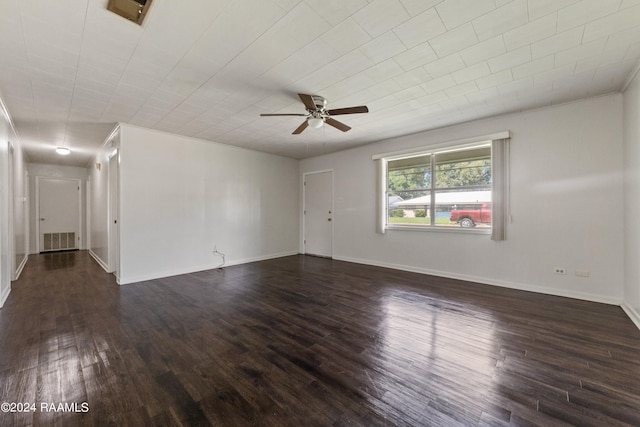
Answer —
133 10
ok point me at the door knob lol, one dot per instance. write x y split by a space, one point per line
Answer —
328 219
41 219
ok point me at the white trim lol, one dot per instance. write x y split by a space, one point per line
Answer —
5 295
11 169
92 162
26 194
382 203
99 261
5 112
80 232
87 219
37 214
428 148
112 135
21 266
633 314
214 266
439 229
486 281
113 203
630 77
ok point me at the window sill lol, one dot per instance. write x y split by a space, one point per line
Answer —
484 231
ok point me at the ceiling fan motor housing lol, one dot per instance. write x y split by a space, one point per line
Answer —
320 102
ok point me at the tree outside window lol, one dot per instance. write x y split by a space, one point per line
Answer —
461 182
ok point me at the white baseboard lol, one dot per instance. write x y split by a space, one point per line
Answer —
99 261
5 295
177 272
633 314
21 266
487 281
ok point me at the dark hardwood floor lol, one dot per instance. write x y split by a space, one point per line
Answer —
305 341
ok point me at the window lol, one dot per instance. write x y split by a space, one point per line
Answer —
452 187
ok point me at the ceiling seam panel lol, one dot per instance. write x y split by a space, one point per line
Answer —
240 53
187 53
229 61
26 52
75 77
148 18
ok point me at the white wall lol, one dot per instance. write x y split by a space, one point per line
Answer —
181 196
13 206
566 202
632 200
98 205
5 260
20 208
56 171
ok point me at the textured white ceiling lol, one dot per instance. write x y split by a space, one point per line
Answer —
70 69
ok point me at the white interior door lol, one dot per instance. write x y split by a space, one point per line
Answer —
318 214
59 214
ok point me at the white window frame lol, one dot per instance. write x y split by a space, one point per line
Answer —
382 185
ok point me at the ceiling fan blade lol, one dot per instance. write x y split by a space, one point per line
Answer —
336 124
349 110
308 102
286 114
300 128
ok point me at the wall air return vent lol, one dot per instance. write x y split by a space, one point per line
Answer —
59 241
133 10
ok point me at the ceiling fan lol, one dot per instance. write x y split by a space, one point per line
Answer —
317 114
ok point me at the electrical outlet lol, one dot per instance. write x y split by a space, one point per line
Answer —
560 270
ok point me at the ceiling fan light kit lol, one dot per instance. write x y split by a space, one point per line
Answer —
63 151
315 122
317 114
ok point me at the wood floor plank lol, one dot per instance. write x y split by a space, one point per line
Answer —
308 341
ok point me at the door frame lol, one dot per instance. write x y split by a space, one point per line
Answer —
87 209
80 233
304 208
113 213
12 234
26 212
